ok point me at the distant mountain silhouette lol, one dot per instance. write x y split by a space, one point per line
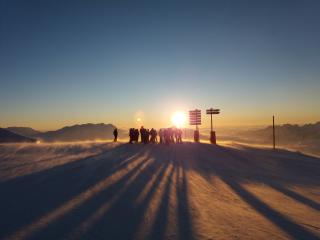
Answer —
83 132
24 131
287 133
7 136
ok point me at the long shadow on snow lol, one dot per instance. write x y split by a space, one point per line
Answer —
88 213
287 166
126 216
247 172
184 224
25 199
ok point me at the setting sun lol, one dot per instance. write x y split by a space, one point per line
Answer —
178 119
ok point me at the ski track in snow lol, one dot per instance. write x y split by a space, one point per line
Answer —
134 191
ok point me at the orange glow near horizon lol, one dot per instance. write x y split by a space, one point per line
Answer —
159 118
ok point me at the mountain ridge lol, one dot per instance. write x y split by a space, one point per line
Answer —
7 136
79 132
24 131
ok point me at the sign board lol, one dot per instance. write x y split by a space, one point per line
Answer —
195 117
213 111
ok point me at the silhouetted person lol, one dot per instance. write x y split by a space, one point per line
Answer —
175 135
143 134
167 133
115 134
147 137
136 135
131 135
171 135
153 134
179 135
161 135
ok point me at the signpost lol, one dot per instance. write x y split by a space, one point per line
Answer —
212 111
273 134
195 119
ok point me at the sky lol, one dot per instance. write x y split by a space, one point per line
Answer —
68 62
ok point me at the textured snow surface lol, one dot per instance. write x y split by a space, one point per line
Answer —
181 191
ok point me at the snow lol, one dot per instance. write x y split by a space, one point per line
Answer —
105 190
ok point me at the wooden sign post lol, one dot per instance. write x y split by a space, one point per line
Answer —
212 133
195 119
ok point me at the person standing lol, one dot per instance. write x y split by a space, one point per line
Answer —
179 135
147 136
143 134
161 135
115 134
155 136
136 135
131 135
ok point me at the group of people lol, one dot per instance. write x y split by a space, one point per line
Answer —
133 135
166 135
170 135
147 136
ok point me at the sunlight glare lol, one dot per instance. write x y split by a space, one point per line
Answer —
178 119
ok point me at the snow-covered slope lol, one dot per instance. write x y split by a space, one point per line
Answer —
182 191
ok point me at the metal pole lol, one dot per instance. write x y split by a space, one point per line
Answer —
273 133
211 121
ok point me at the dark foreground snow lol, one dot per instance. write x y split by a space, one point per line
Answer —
187 191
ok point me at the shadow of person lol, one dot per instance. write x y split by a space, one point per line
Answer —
295 196
249 168
124 217
293 229
38 196
129 192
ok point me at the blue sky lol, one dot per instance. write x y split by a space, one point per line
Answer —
68 62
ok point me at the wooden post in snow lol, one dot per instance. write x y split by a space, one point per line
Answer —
273 134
